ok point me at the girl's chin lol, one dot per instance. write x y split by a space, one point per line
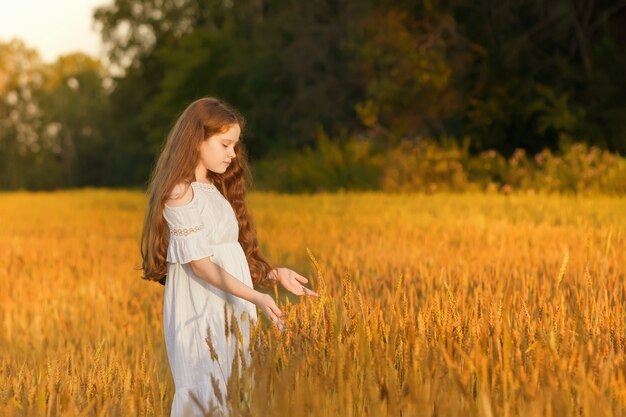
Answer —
219 170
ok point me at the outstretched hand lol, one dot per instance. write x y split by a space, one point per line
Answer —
269 308
292 281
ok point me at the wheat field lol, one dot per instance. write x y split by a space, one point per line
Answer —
431 305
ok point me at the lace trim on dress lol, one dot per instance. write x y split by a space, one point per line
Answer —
186 249
186 232
205 185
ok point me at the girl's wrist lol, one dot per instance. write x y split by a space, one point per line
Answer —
256 297
273 275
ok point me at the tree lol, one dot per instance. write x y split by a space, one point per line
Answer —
20 113
540 62
52 118
408 61
76 105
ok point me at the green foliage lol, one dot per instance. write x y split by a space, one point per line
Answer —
186 75
406 70
423 165
53 132
329 166
426 166
581 169
527 75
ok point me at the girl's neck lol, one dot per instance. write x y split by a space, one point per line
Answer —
203 182
201 172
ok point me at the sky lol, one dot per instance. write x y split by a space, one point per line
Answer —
53 27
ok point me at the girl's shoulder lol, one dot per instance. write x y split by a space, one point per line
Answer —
181 195
185 194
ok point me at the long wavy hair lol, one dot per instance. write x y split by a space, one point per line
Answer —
176 164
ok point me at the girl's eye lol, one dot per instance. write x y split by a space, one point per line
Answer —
226 146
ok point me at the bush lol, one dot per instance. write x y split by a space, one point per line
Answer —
360 164
424 166
352 164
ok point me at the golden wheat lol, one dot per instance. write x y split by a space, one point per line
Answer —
444 304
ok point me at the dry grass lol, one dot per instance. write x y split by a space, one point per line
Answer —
431 305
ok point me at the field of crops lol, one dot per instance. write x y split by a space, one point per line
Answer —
431 305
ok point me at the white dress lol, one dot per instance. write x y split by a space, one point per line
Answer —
206 226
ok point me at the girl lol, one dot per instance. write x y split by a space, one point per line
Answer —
199 234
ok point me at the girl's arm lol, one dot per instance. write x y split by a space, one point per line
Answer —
215 275
218 277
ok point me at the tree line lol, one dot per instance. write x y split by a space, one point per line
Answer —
500 75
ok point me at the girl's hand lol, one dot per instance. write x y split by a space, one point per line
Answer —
292 281
269 308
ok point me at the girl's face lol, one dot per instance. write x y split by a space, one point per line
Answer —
218 151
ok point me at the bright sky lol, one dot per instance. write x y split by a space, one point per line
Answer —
53 27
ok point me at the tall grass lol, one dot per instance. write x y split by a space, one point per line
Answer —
443 304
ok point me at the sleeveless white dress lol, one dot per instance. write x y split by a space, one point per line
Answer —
205 227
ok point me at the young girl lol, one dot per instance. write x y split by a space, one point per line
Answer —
199 235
